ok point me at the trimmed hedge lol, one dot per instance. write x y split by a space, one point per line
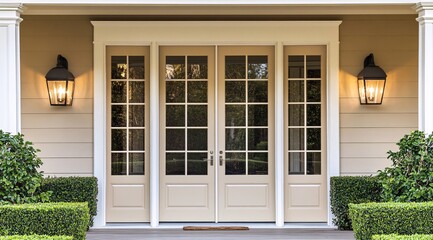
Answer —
53 219
35 237
73 189
347 189
369 219
403 237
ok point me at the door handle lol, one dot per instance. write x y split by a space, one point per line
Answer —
210 159
221 158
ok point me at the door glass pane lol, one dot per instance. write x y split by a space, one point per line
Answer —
136 163
175 139
175 92
118 115
257 163
175 163
296 163
296 66
197 115
136 115
235 163
296 114
118 163
235 67
136 67
118 92
313 163
257 67
313 138
197 92
235 115
197 67
313 114
175 67
197 164
235 91
175 115
258 139
118 67
313 66
136 92
313 91
197 139
118 140
257 115
136 139
258 91
296 91
296 139
235 139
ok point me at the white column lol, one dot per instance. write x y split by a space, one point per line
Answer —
10 97
425 67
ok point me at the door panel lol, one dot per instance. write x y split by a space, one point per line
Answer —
187 134
127 138
305 131
245 137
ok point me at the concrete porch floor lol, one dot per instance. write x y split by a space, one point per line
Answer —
253 234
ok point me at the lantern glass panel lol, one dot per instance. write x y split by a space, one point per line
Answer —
371 90
60 92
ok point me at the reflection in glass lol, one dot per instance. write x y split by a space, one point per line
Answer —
313 115
136 115
313 66
136 92
175 67
235 139
118 92
257 163
175 139
296 114
235 91
258 139
313 138
197 67
118 139
175 115
197 139
175 163
235 164
197 92
118 67
313 91
235 115
296 91
257 67
296 66
296 163
235 67
196 164
197 115
296 139
313 163
258 91
136 139
136 67
136 163
257 115
118 115
118 163
175 92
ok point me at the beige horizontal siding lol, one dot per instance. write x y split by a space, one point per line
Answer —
63 134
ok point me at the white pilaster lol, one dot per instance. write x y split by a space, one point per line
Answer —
10 97
425 67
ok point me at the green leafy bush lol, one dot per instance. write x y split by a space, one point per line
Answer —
345 190
68 219
35 237
73 189
369 219
410 178
403 237
19 175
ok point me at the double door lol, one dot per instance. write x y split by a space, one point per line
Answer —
216 133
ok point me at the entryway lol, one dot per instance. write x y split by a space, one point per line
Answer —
216 133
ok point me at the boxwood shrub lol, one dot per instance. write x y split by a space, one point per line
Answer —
35 237
403 237
369 219
347 189
73 189
54 219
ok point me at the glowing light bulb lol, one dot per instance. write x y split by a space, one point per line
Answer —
61 94
371 94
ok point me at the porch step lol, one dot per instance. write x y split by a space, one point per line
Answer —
216 228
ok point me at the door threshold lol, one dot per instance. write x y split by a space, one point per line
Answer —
180 225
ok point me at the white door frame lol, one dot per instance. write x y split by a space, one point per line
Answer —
154 34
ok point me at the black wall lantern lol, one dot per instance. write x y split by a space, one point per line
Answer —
371 82
60 83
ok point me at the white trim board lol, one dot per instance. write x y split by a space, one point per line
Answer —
275 33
